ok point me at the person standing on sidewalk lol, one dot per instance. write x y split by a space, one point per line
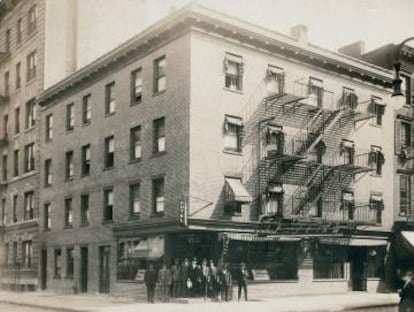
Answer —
175 278
150 280
227 283
183 278
205 273
407 294
242 279
164 279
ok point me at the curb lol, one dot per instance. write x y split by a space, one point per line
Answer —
373 306
44 307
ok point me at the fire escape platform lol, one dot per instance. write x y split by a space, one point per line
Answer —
355 169
287 100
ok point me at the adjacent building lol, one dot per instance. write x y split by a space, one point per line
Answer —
208 137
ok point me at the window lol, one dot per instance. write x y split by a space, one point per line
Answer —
69 165
30 113
5 126
135 139
375 262
274 140
7 83
19 32
108 204
14 209
16 163
18 75
275 80
6 254
315 91
7 41
48 172
134 200
32 19
109 152
29 205
130 264
110 98
235 195
160 75
348 205
272 201
86 159
15 254
58 263
27 252
70 117
4 168
49 127
84 209
347 152
233 127
159 135
47 216
405 195
17 120
376 204
376 159
29 160
329 262
402 136
68 212
158 199
31 65
136 86
69 262
233 67
406 88
86 109
378 109
3 211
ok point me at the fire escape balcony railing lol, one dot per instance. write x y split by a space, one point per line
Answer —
361 213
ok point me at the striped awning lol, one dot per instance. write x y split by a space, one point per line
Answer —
238 191
409 237
367 242
255 238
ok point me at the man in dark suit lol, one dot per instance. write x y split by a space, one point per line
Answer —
150 280
242 279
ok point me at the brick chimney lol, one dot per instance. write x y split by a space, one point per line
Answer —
300 33
355 49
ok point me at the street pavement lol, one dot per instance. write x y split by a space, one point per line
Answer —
103 303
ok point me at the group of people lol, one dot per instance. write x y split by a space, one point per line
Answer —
195 279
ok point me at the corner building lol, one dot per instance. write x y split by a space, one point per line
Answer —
209 137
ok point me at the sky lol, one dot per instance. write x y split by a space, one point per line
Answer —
331 23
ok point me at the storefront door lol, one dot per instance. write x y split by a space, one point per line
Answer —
84 269
358 268
43 270
104 252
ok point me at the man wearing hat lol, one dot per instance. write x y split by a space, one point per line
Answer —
205 270
194 274
183 277
242 279
175 278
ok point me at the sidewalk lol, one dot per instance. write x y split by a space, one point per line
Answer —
102 303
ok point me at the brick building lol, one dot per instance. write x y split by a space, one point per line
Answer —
32 57
205 136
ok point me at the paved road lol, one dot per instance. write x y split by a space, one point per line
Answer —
16 308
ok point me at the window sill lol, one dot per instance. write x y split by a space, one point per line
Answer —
69 131
135 103
157 215
69 179
108 168
375 125
47 186
158 154
134 217
30 80
404 215
233 90
84 224
85 124
134 161
85 175
107 221
109 114
68 227
70 277
232 152
374 175
159 93
48 140
29 129
47 230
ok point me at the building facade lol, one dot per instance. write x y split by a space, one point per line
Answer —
208 137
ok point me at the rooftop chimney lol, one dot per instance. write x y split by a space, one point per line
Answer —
355 49
300 33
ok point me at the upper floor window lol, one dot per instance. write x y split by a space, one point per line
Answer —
315 90
86 159
233 68
110 98
376 203
19 31
58 263
235 195
3 217
7 40
27 254
32 19
134 200
4 168
14 209
69 165
48 172
349 98
84 209
5 126
274 139
347 151
70 117
135 139
275 80
348 205
31 65
29 159
68 211
7 83
136 86
86 109
30 113
406 88
49 127
69 262
16 160
29 205
18 75
160 75
108 204
17 120
378 109
47 216
402 135
233 127
405 195
158 200
376 159
159 135
109 156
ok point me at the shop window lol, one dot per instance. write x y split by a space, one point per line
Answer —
329 262
70 117
47 216
349 98
86 110
234 68
233 127
110 98
376 159
135 200
159 135
68 212
84 209
69 262
69 166
315 91
375 262
136 86
108 204
158 199
86 160
405 195
29 205
58 263
27 254
48 172
160 75
109 156
135 143
275 80
31 65
29 159
49 127
30 113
